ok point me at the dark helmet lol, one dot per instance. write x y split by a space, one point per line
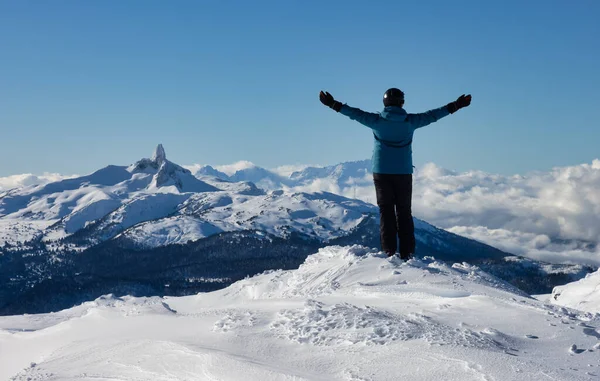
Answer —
393 97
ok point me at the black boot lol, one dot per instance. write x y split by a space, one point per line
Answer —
406 257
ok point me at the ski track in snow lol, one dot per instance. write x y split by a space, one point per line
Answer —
346 314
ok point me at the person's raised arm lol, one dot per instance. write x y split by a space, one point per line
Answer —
363 117
428 117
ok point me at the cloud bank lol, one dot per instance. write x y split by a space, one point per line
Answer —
552 216
563 203
231 169
17 181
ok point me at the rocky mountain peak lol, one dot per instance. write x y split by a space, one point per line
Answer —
159 155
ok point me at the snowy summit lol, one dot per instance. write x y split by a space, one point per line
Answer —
346 314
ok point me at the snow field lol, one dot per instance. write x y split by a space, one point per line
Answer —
346 314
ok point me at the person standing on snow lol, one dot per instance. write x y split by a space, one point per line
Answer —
393 130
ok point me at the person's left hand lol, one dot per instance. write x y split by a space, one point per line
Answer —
326 98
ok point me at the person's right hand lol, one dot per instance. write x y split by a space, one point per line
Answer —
463 101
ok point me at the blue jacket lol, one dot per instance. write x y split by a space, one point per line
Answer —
393 127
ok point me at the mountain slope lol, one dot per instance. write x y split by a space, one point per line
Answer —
345 314
322 216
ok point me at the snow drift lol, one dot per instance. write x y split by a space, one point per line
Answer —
583 294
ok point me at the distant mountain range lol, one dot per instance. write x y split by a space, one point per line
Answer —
156 228
343 175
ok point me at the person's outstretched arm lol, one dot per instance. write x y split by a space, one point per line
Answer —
428 117
362 117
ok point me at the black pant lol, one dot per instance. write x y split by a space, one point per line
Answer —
394 196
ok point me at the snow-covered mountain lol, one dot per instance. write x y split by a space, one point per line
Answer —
343 175
153 228
148 189
263 178
155 202
322 216
347 313
207 170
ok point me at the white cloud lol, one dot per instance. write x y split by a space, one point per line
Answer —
550 216
319 185
231 169
536 246
562 204
193 167
26 179
287 170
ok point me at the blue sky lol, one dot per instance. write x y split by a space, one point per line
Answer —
86 84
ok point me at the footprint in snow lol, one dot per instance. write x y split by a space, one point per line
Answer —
590 331
574 350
